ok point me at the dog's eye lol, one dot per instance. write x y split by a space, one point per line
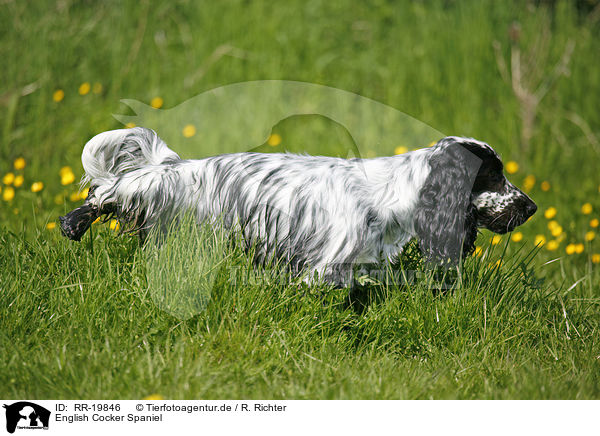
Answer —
489 183
498 184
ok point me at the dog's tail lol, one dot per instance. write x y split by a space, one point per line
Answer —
116 152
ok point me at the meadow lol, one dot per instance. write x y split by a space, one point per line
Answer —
78 320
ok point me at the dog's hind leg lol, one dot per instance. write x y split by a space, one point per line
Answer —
74 224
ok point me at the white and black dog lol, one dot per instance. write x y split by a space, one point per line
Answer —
319 214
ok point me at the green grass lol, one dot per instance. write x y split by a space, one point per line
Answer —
182 266
81 320
82 325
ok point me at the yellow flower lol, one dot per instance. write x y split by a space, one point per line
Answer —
529 182
83 194
579 248
158 397
8 194
478 251
586 209
96 221
539 240
156 102
556 231
552 245
594 223
400 149
590 236
596 258
19 163
570 249
67 178
18 181
84 88
66 175
545 186
75 196
512 167
58 95
189 131
51 225
129 125
274 140
114 225
8 178
496 239
553 224
37 186
517 237
550 213
97 88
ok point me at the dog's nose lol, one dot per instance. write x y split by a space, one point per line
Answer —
531 208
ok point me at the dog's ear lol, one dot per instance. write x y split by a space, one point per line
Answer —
445 221
470 227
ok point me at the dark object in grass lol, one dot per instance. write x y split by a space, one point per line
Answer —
74 224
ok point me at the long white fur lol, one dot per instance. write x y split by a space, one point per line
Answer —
135 169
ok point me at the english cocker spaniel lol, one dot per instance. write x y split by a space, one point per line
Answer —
319 214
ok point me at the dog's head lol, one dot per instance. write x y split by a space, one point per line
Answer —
465 189
500 206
